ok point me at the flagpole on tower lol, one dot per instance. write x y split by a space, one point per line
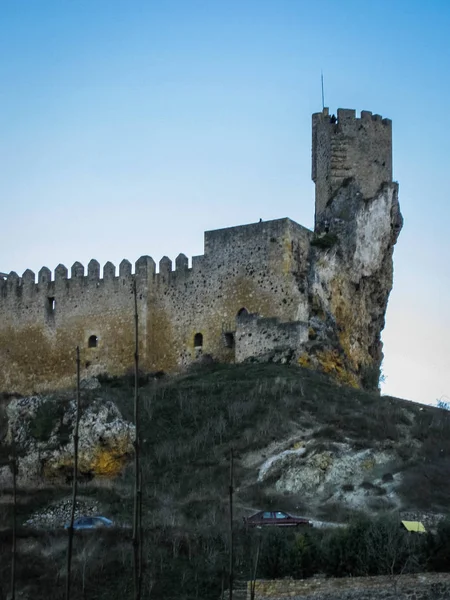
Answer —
323 96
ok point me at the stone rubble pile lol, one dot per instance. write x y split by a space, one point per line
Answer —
57 515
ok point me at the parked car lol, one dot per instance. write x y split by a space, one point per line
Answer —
277 518
90 523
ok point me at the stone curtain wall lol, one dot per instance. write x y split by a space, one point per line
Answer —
41 325
261 267
426 586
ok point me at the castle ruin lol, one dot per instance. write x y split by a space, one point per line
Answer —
318 297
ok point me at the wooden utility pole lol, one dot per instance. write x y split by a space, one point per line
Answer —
137 485
255 571
231 566
14 521
74 481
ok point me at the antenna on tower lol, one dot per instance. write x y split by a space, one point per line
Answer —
323 96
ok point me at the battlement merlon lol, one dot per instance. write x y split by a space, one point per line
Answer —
349 147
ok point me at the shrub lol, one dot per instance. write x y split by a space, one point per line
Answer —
367 485
47 415
438 548
304 556
371 547
348 487
370 377
276 554
327 240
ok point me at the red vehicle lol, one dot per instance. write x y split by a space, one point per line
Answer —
277 518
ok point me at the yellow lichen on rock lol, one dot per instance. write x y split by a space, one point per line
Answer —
298 445
369 463
323 460
105 460
304 360
108 461
331 362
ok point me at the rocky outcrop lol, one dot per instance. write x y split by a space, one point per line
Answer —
42 428
350 281
330 473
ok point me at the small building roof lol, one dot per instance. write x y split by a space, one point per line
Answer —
415 526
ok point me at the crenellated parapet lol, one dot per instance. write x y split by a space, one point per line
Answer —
13 287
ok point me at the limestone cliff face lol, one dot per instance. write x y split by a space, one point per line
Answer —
351 275
42 429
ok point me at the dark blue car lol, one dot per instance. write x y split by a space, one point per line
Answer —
90 523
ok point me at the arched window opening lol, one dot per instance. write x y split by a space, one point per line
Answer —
198 340
93 341
243 312
229 339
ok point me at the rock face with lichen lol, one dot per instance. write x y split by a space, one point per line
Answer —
350 281
42 429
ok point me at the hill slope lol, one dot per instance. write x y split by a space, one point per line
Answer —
300 443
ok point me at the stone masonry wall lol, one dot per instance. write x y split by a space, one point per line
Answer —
259 336
41 325
358 148
260 267
423 586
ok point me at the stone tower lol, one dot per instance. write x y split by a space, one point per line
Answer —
347 149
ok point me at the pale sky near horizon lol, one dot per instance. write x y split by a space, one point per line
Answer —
131 127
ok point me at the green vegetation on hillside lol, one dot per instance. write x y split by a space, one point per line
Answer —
189 425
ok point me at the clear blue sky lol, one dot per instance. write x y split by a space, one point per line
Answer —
130 127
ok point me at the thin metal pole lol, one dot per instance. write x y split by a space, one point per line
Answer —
75 479
141 537
137 490
323 96
13 548
231 566
255 570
